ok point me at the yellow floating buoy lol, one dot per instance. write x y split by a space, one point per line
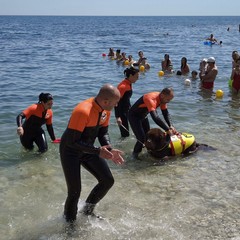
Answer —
142 68
161 73
126 62
219 93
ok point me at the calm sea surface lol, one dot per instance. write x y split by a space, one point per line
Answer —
197 197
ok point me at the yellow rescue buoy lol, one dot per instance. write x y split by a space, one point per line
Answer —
142 68
161 73
219 93
126 62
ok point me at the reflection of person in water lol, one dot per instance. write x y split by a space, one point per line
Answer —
36 115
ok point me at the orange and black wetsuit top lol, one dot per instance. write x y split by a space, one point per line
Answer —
88 122
36 116
149 103
125 89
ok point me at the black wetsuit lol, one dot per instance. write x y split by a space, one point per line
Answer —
121 110
88 122
35 116
139 122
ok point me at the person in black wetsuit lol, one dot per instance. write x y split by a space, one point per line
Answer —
36 115
89 120
138 120
125 89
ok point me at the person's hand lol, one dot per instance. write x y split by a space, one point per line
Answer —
105 153
119 121
57 140
117 156
114 154
173 130
20 131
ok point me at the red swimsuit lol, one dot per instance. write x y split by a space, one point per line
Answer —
236 81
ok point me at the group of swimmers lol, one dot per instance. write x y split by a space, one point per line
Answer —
207 69
129 61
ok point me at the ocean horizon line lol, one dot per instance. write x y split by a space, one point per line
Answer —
59 15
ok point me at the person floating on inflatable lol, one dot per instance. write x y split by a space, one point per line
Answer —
36 115
212 38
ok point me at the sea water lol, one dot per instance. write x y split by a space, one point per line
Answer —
196 197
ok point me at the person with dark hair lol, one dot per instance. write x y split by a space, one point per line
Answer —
36 115
194 75
118 55
146 104
89 120
167 64
125 89
184 66
138 63
212 39
111 52
130 60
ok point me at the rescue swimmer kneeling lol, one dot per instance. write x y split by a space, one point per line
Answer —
138 116
89 120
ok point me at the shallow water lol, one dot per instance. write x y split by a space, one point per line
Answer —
196 197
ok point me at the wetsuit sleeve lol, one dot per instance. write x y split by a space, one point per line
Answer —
158 120
166 117
103 137
117 111
74 141
19 119
124 104
51 132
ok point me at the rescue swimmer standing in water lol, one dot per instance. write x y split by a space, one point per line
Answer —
123 106
146 104
36 115
89 120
